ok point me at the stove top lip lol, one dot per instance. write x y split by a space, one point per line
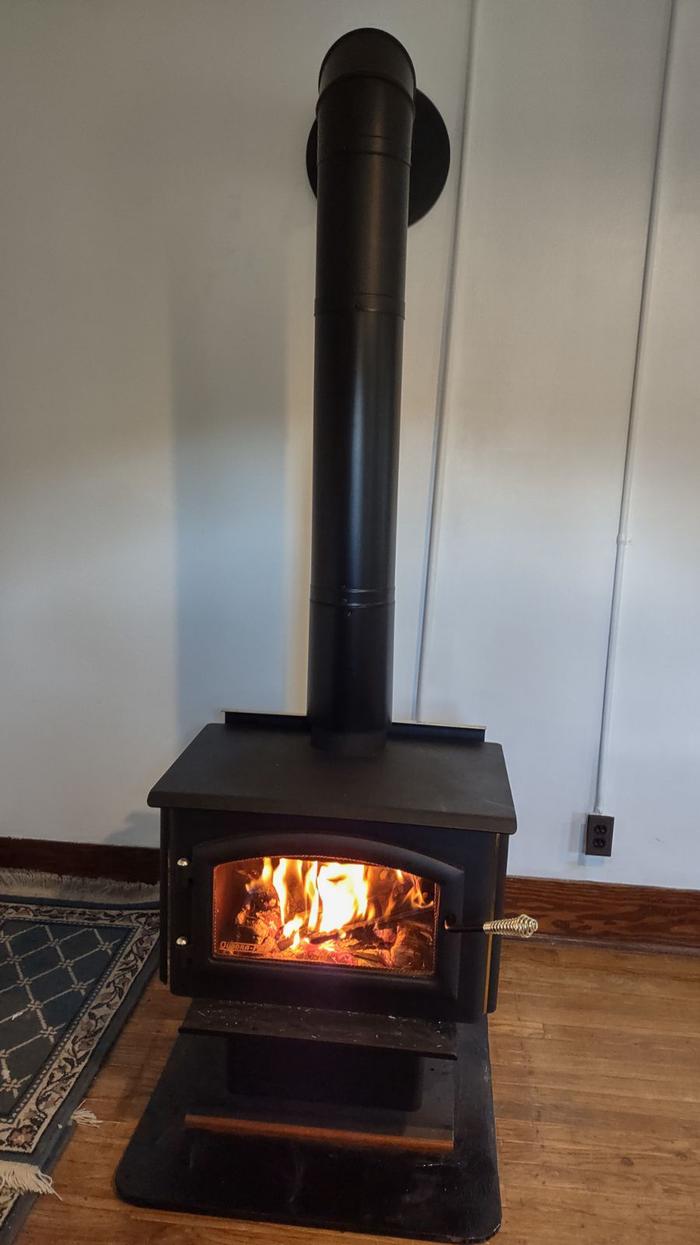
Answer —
442 777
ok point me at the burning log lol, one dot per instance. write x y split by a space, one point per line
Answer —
381 923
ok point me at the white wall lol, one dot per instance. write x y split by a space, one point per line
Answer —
158 239
156 259
655 731
559 165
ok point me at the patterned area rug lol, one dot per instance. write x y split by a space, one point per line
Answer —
75 956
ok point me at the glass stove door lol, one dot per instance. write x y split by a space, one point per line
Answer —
343 913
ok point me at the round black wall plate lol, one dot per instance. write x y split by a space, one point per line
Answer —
430 158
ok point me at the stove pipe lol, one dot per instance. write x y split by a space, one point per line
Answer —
365 118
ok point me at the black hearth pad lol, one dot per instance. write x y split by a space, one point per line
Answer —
440 1196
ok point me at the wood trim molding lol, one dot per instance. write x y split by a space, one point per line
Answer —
608 912
82 860
407 1140
599 912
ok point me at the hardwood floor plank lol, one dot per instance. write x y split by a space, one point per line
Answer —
596 1059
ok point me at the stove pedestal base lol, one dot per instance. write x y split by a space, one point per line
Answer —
429 1174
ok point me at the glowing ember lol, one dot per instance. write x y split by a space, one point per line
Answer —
325 911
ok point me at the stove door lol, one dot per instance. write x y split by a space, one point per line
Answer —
319 919
345 912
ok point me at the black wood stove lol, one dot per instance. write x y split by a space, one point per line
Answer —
332 885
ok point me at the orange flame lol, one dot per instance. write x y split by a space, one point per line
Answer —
319 897
330 896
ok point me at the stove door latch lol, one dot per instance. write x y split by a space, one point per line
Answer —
522 926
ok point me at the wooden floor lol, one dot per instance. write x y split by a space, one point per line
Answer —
596 1058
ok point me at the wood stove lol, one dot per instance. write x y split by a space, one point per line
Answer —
332 885
291 875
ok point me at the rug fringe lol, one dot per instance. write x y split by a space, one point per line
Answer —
26 882
83 1115
24 1178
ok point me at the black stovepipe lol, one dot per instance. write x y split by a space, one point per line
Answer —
365 125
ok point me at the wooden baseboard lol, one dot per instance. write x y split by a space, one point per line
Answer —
597 912
82 860
607 912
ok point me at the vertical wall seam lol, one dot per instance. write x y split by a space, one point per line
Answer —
433 506
622 538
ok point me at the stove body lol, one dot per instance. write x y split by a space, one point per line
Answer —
435 806
342 1092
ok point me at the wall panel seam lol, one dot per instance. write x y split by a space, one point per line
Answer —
435 477
622 538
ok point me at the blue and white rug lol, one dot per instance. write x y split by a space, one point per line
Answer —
75 956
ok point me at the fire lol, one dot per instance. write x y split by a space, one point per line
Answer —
329 911
336 894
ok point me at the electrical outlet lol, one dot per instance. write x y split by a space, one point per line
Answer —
599 835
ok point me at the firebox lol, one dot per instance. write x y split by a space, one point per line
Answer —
332 884
352 913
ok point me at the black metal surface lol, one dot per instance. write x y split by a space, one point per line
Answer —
365 125
418 1037
440 1197
430 158
498 911
464 864
432 1120
238 790
418 779
280 1069
299 723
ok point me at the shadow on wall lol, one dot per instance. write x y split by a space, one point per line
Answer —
234 310
140 829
